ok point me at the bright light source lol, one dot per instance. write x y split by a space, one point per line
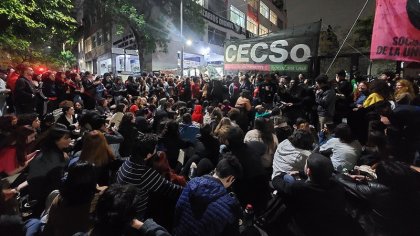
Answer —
189 42
205 51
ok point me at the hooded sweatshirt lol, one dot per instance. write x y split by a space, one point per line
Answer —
204 208
197 115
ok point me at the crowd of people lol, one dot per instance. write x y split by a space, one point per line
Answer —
156 154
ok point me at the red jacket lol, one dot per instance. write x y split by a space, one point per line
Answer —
197 115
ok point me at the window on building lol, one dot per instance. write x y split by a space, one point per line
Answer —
273 17
253 3
216 36
252 26
88 45
99 38
263 30
94 41
107 36
200 2
236 16
264 10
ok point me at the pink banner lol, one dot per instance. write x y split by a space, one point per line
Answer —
396 31
259 67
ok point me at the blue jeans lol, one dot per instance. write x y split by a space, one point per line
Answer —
33 227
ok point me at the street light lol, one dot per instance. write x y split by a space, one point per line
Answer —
189 42
182 38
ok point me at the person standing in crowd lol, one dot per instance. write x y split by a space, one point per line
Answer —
343 91
404 92
267 89
24 95
185 90
234 89
78 87
360 95
4 92
325 98
49 88
379 91
89 86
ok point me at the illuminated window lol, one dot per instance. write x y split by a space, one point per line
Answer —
252 26
263 30
236 16
273 17
264 10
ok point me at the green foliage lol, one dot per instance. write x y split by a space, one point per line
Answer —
28 27
152 21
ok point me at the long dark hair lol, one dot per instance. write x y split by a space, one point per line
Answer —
343 132
47 141
79 186
171 130
115 210
126 121
380 87
22 134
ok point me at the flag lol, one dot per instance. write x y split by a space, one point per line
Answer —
396 30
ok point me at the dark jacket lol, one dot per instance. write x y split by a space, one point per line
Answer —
129 133
24 96
171 146
382 211
44 175
205 207
253 187
315 209
62 120
49 88
326 102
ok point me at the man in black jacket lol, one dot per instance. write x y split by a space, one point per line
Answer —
325 98
315 206
25 92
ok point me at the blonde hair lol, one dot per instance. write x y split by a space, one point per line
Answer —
224 122
96 149
407 89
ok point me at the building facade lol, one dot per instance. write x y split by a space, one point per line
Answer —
104 48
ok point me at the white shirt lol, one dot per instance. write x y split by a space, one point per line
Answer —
344 155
